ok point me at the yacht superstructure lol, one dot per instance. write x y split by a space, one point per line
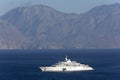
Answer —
67 65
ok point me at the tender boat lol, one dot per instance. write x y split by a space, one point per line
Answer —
67 65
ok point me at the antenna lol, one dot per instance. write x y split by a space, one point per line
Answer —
66 59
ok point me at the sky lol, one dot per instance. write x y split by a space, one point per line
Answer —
67 6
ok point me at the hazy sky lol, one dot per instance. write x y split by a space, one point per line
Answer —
69 6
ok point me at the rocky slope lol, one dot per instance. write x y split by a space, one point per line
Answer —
42 27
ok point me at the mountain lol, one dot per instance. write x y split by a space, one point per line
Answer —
42 27
10 35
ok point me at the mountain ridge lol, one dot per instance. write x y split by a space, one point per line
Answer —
42 27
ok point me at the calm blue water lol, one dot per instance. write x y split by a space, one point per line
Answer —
23 65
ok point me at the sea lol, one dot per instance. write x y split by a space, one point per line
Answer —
24 64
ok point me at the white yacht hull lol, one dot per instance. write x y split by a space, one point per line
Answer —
60 69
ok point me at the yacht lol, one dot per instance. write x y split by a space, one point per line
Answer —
66 65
